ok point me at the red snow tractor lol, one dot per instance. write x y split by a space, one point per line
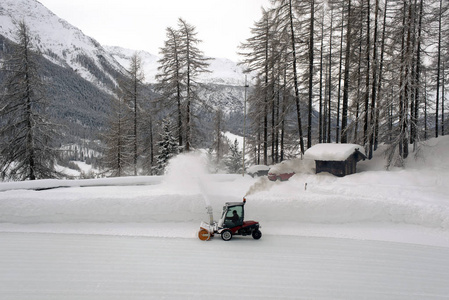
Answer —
231 223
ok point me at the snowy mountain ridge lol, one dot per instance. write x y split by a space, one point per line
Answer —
67 46
223 70
82 73
57 40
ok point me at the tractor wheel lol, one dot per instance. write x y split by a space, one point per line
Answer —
226 235
203 234
257 234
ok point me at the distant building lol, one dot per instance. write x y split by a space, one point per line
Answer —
337 159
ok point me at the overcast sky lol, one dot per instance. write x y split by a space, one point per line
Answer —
141 24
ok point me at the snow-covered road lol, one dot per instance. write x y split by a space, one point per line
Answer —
75 266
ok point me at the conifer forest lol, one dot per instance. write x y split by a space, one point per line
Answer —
366 72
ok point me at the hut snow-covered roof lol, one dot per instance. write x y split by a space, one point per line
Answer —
332 152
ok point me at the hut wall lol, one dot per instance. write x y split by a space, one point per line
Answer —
334 167
337 168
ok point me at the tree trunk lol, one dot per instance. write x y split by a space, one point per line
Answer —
189 100
29 147
337 127
379 82
329 106
442 101
374 84
135 124
367 82
359 83
344 119
437 101
320 121
295 79
311 44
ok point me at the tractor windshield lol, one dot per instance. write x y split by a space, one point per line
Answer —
234 216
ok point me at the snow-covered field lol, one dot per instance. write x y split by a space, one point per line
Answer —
373 235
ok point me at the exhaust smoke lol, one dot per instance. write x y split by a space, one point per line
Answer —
263 184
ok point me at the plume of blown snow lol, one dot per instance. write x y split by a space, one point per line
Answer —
187 173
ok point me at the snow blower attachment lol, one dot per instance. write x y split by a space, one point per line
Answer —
231 223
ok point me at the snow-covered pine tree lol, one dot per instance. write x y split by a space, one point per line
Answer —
181 63
118 140
195 63
170 78
234 159
26 134
167 145
132 89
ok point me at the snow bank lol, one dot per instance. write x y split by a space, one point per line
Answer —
373 198
46 184
323 199
233 137
179 196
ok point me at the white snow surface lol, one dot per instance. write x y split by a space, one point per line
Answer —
331 151
372 235
233 137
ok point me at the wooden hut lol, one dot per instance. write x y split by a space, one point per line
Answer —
337 159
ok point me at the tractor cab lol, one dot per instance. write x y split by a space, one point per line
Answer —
232 215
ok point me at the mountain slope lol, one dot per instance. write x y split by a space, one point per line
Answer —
60 42
76 103
81 74
223 71
223 88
